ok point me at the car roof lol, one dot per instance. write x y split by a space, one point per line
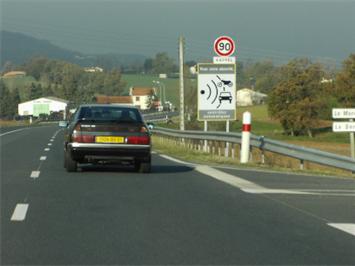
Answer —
108 105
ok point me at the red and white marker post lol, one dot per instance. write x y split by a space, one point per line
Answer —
245 147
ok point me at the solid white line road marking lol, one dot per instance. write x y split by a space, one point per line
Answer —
13 131
43 158
56 133
248 186
276 191
348 228
19 213
227 178
35 174
47 149
176 160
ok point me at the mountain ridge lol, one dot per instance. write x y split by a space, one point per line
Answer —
18 47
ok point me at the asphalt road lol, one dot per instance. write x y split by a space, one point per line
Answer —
178 214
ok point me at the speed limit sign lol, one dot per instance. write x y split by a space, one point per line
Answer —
224 46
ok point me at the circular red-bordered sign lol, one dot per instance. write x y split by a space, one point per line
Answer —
224 46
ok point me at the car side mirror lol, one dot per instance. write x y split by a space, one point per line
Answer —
150 125
63 124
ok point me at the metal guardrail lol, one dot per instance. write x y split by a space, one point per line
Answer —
264 144
160 116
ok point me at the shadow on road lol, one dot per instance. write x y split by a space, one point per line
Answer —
156 169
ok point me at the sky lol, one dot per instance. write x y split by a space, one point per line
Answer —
262 29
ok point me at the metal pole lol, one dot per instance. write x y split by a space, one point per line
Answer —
181 62
227 143
205 128
352 142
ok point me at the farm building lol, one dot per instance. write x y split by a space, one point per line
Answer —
44 105
248 97
117 100
142 97
14 74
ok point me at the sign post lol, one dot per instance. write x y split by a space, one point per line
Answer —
341 113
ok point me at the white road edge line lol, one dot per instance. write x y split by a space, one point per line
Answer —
13 131
35 174
242 184
345 227
20 212
56 133
176 160
43 158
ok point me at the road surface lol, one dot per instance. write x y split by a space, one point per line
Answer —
178 214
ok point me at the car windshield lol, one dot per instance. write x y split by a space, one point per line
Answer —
107 113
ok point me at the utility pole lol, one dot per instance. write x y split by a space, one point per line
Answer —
181 75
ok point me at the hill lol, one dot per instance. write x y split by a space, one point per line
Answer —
17 48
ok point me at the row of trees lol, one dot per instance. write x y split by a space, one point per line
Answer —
301 99
60 79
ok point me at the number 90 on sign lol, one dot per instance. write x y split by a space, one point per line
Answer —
224 46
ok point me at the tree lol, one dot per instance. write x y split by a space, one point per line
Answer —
35 91
345 83
148 65
4 99
162 63
297 100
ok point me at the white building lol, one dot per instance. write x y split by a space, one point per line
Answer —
45 105
248 97
142 97
93 69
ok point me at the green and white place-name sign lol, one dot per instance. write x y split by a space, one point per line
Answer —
343 113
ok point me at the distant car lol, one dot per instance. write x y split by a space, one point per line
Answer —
225 96
107 134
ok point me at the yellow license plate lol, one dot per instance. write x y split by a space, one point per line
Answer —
109 139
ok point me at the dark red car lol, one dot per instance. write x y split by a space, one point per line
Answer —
107 134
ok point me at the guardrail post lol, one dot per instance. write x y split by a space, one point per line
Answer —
301 164
262 144
233 151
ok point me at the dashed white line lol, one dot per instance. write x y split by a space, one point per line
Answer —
51 140
345 227
49 144
47 149
20 212
35 174
43 158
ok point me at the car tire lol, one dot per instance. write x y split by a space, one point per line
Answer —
64 159
144 167
71 165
